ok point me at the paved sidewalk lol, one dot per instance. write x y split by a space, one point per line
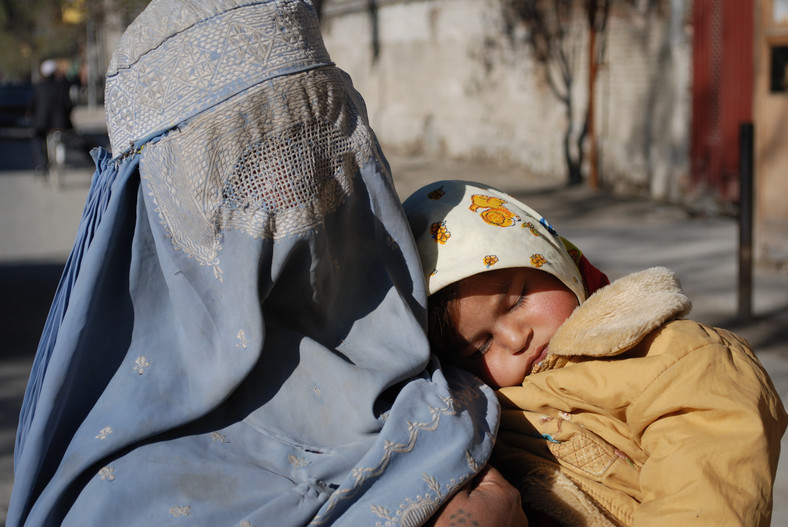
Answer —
618 235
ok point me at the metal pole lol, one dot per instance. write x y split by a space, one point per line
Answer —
746 144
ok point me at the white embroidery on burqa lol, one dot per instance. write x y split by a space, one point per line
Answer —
217 437
104 432
472 463
297 461
417 511
141 364
160 74
107 473
414 511
180 511
242 342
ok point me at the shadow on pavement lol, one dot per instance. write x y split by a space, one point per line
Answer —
26 292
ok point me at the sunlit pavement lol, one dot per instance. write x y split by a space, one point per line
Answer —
618 235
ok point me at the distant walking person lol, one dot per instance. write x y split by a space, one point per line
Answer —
51 113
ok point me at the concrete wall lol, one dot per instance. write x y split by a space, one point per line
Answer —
447 82
433 91
645 102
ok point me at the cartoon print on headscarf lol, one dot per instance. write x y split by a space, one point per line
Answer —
531 227
537 260
436 194
490 260
439 232
493 211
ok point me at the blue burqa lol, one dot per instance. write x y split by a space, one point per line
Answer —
239 335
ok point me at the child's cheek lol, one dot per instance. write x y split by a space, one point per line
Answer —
495 372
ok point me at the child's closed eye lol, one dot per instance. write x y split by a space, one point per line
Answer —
520 300
475 352
481 350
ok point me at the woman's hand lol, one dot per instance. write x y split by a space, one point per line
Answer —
488 500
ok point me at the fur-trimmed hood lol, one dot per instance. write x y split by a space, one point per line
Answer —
618 316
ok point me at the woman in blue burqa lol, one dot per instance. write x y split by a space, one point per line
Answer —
239 334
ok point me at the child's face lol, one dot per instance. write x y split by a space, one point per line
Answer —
504 321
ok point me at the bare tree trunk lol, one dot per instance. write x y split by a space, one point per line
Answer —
574 161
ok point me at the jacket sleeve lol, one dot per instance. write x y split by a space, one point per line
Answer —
710 424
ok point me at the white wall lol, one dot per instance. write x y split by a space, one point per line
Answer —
446 83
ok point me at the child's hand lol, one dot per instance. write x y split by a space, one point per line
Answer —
488 500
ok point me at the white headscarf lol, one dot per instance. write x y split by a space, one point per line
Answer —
463 228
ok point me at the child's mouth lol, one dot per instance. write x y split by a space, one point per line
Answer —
539 357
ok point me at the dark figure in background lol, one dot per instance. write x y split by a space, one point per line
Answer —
51 113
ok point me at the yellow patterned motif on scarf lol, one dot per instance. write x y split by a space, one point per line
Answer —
537 260
493 210
490 260
439 232
531 227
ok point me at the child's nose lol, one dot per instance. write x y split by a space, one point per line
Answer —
514 335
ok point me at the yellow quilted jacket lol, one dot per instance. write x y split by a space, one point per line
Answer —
639 418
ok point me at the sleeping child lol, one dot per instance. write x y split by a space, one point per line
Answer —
615 409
